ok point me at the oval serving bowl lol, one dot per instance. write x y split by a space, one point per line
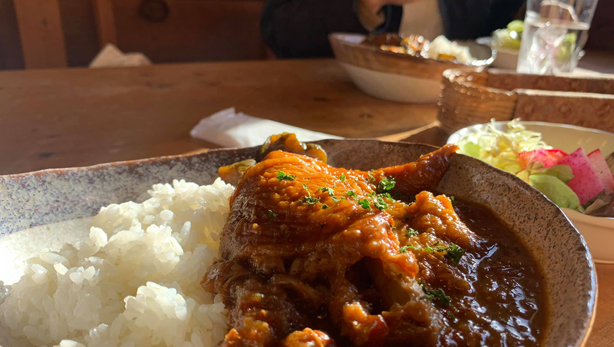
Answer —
396 76
598 231
51 196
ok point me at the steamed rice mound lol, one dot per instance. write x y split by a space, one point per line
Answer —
135 282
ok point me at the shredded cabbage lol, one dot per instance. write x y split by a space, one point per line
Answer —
499 148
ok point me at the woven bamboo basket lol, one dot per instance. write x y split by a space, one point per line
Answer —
474 97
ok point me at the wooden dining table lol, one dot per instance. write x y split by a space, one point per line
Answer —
78 117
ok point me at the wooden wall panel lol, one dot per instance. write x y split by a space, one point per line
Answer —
195 30
10 44
40 29
80 32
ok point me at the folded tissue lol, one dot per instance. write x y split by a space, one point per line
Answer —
228 128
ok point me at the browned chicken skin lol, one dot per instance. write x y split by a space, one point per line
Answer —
312 254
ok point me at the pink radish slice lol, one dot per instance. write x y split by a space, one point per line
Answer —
548 157
586 183
601 168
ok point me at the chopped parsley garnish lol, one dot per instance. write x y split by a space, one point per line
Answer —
335 199
426 249
342 178
328 190
365 204
371 177
453 201
305 186
450 315
309 200
272 214
285 177
454 253
392 226
386 195
372 194
411 232
324 206
380 204
351 194
435 294
386 184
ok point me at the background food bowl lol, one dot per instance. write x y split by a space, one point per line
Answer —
506 58
50 196
597 231
395 76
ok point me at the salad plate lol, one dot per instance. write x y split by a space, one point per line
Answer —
583 184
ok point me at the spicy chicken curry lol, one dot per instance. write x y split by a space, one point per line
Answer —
313 255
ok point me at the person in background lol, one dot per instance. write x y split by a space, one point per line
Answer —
300 28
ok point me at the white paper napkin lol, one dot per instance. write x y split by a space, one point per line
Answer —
111 56
228 128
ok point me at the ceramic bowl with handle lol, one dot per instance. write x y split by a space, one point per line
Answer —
598 231
51 196
396 76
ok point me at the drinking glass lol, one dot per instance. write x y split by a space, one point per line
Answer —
555 32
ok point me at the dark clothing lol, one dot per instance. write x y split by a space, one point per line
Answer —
300 28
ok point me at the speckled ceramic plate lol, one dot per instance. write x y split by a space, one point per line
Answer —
52 196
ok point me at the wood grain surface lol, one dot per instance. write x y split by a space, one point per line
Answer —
76 117
61 118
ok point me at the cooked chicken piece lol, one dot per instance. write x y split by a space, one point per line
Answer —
312 253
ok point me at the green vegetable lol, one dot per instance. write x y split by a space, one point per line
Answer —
285 177
426 249
380 204
342 177
365 204
335 199
351 194
565 49
516 25
386 184
328 190
453 201
386 195
562 172
510 37
411 232
324 206
272 214
551 183
556 190
454 253
499 148
309 200
435 294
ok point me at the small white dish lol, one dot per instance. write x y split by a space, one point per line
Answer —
597 231
394 87
396 76
506 59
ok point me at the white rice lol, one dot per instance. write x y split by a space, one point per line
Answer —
135 282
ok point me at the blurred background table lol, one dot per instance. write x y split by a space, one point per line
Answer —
76 117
